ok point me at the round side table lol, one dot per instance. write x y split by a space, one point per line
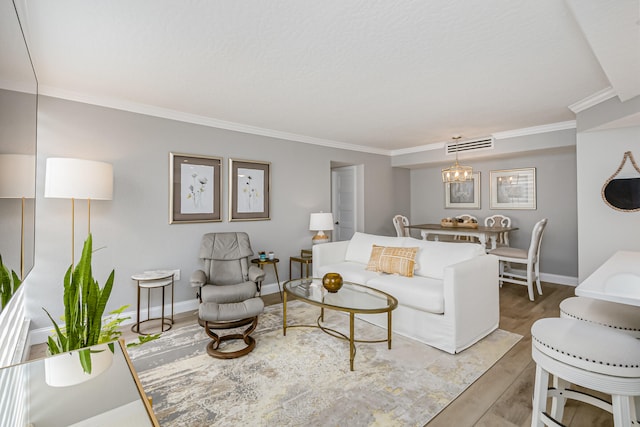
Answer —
261 263
153 280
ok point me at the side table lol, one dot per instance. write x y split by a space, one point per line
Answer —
150 280
305 259
274 262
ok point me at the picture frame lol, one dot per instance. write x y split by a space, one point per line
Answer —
463 195
513 189
195 188
249 190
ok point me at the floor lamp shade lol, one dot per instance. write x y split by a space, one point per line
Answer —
320 222
18 181
78 179
17 176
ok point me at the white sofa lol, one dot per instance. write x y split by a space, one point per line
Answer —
450 303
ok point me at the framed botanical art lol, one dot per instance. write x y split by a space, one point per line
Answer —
195 188
249 188
463 195
513 189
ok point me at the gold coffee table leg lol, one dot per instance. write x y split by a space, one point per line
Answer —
389 329
352 346
284 314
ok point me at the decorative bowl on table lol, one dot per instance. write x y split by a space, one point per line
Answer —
448 222
332 282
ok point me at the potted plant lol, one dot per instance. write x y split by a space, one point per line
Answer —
84 305
9 283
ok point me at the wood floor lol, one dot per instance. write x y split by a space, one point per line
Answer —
502 396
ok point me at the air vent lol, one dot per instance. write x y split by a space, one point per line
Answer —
471 145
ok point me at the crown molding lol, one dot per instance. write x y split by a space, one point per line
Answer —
166 113
418 149
592 100
19 86
151 110
552 127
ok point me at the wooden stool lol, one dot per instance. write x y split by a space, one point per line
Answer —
623 317
589 355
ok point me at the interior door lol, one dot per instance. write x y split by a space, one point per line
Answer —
344 202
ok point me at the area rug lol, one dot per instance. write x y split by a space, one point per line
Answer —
303 378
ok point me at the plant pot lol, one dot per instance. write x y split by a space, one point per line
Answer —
62 370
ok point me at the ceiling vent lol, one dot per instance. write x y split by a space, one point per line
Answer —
471 145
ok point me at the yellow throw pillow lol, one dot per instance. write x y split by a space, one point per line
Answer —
374 259
393 260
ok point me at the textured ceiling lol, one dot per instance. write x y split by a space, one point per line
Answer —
382 74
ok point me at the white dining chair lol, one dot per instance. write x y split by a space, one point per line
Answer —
400 222
499 221
466 217
508 256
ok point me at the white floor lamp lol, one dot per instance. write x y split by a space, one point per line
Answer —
18 181
68 178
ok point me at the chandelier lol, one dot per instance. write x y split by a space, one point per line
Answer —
457 172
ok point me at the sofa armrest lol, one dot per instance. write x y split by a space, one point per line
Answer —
328 253
471 295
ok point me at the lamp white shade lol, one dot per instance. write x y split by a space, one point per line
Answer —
67 178
17 176
321 221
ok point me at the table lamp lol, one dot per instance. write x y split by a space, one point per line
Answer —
320 222
67 178
18 181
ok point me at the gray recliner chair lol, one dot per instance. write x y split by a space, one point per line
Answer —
227 290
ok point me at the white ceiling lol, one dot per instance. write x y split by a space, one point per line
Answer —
386 75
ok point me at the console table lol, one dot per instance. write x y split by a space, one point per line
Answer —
113 398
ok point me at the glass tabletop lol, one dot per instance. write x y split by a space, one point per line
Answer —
351 297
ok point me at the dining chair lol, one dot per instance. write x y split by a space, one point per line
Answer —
508 256
401 222
499 221
466 217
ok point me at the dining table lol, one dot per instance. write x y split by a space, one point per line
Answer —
484 234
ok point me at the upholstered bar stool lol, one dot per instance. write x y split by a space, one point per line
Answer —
589 355
623 317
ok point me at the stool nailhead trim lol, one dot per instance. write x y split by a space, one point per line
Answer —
584 358
599 323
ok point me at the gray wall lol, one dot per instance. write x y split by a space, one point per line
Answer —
605 132
133 229
556 200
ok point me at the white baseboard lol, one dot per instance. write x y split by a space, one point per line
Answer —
38 336
558 279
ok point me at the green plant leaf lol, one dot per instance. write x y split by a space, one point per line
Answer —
85 359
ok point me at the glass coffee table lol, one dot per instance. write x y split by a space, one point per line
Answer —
352 298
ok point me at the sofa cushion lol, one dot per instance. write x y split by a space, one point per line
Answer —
350 271
360 245
420 293
433 257
393 260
